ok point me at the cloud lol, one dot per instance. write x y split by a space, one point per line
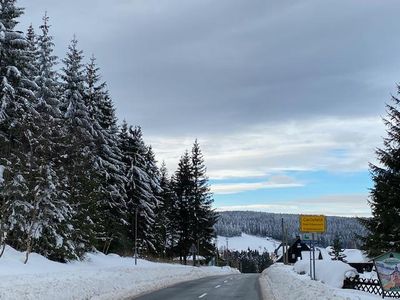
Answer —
200 66
333 205
275 182
333 144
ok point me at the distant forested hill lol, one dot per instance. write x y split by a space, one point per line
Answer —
233 223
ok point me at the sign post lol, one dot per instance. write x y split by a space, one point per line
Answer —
312 224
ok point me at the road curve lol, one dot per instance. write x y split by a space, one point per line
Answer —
240 287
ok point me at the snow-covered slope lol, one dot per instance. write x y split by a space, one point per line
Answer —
98 277
242 243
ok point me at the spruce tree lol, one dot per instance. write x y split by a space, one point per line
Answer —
111 205
139 190
183 188
32 52
166 221
48 93
383 227
153 174
51 232
79 159
337 250
204 217
17 127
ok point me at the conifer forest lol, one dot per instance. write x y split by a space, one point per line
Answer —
73 179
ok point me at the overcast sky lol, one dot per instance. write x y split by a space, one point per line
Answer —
284 96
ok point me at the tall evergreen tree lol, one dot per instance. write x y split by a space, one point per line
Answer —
204 217
112 205
196 218
384 229
50 229
79 160
17 126
32 52
166 222
183 188
153 174
140 194
48 93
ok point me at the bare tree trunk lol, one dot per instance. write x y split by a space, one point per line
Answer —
2 240
3 247
34 212
3 235
108 244
104 246
28 249
31 231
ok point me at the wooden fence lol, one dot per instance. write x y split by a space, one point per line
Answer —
368 285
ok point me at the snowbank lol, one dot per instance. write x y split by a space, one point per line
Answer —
280 282
355 256
331 272
98 277
352 255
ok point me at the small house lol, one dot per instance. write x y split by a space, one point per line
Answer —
295 251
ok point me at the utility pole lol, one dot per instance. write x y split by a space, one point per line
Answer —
198 251
283 243
313 249
136 217
217 257
287 246
227 253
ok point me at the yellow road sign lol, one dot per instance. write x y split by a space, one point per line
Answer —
312 223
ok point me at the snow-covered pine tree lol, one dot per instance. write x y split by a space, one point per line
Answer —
112 205
48 93
139 191
17 127
183 188
50 230
204 217
79 161
31 53
153 174
166 222
383 227
337 250
98 100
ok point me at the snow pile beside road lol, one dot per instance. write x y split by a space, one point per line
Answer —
280 282
331 272
98 277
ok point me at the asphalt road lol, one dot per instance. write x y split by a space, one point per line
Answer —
240 286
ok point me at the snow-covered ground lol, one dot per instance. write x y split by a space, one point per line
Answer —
355 255
242 243
327 271
99 277
280 282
